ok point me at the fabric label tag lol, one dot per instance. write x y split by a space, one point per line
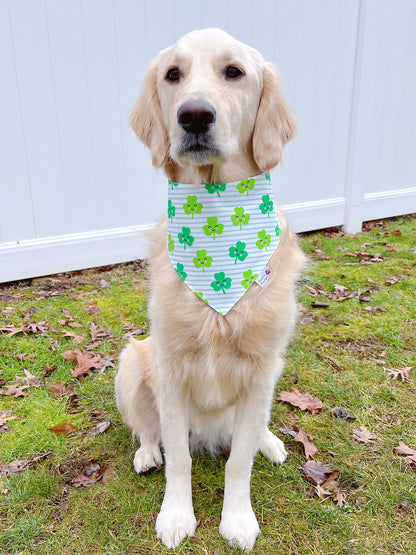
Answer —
264 276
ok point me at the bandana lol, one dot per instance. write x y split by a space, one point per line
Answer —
221 237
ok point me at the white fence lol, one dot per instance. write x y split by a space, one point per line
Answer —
77 189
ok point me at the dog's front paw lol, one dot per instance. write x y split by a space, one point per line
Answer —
147 457
240 528
173 524
273 448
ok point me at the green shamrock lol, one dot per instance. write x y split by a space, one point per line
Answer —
215 188
264 239
202 260
171 243
278 231
238 252
171 210
180 269
221 282
213 227
249 278
185 238
201 296
245 185
192 206
267 176
173 184
239 218
267 205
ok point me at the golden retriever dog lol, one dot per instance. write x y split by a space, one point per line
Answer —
211 111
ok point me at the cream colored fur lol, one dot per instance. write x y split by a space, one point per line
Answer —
203 380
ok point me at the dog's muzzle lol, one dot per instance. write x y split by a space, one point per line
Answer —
197 118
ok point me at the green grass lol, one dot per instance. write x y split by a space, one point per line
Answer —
335 357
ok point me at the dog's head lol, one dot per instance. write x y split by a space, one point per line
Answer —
209 98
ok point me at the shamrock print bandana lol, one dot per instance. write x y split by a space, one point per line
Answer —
221 236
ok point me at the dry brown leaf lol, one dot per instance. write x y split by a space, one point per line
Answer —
308 444
63 428
31 380
100 428
6 415
363 435
85 362
305 401
90 475
318 474
375 308
92 307
59 388
18 466
13 389
342 413
402 372
410 453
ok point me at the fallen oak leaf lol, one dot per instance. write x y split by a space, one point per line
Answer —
363 435
63 428
319 304
410 454
59 388
100 428
339 412
402 372
6 415
18 466
305 401
316 473
85 362
13 389
92 307
31 380
307 441
90 475
375 308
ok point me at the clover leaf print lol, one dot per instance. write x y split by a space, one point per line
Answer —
267 176
267 205
245 185
215 188
171 243
221 282
192 206
249 278
181 273
240 218
213 227
173 184
185 238
202 260
278 231
238 252
201 296
171 210
264 240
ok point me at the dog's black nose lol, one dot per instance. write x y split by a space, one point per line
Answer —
195 116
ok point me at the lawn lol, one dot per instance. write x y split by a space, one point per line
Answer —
355 348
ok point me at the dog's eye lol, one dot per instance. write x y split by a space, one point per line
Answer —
232 72
173 74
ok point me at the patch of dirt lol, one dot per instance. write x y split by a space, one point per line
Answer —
368 348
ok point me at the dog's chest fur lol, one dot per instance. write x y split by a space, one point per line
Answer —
216 357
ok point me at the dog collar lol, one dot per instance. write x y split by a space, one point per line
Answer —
221 237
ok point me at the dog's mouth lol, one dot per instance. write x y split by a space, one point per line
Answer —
201 148
197 119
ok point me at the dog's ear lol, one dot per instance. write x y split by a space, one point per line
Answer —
274 125
146 119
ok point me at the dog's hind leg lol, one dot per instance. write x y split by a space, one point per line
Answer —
137 388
